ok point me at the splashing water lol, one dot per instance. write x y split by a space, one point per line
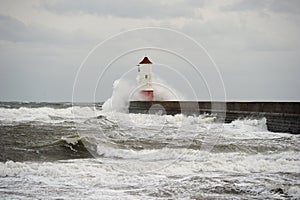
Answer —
125 91
39 146
120 95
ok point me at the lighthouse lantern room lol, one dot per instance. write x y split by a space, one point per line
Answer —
145 78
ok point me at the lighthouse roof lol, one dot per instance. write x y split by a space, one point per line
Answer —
145 61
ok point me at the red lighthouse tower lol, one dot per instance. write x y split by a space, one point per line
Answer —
145 78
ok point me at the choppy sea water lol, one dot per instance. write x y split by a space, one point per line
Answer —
60 151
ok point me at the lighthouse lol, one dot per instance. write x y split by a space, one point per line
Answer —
145 79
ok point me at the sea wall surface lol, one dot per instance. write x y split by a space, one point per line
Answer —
281 116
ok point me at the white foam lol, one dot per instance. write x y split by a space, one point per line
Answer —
120 96
230 162
250 129
144 172
294 191
163 91
121 172
190 162
46 114
125 91
253 125
238 129
140 120
287 162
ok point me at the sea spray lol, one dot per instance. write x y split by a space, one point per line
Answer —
119 100
163 91
135 159
126 90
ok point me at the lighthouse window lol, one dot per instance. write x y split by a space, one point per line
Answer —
146 76
139 69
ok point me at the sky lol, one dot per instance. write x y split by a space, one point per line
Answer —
254 48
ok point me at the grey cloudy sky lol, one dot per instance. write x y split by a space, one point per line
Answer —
255 44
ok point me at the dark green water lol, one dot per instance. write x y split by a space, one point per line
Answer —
60 151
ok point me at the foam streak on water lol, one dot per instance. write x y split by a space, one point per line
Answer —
142 156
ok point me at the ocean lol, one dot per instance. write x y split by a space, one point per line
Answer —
65 151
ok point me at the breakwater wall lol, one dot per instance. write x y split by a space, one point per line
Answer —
281 116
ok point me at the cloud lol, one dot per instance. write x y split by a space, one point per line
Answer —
246 32
42 43
277 6
14 30
287 6
10 28
127 9
245 5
